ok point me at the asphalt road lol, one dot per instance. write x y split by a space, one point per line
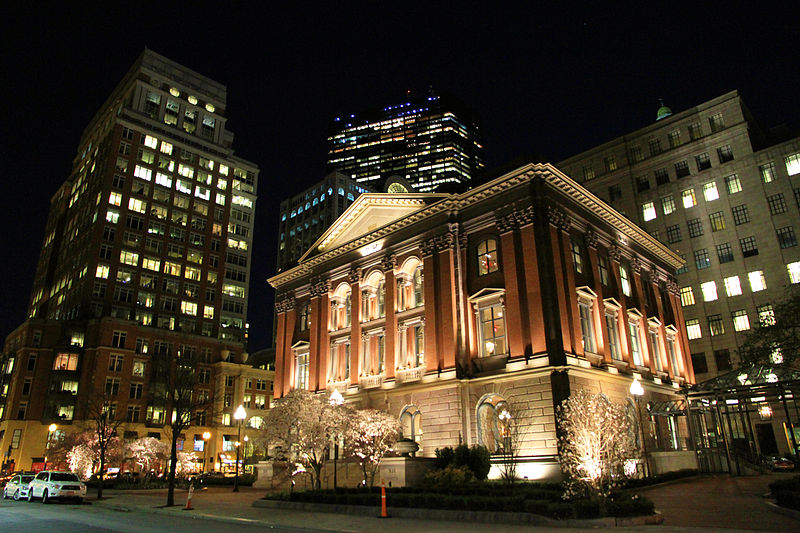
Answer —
24 517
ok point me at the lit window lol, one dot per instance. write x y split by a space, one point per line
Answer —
102 271
192 100
613 334
688 198
143 173
112 216
693 330
174 91
150 141
668 204
585 307
715 325
636 350
710 192
757 281
741 322
577 256
792 164
649 211
189 308
733 184
302 369
687 296
115 198
134 204
208 311
794 271
709 289
129 258
492 330
626 284
487 257
766 315
732 286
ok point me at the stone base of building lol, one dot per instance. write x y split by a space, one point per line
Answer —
662 462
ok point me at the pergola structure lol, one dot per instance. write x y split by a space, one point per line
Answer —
741 416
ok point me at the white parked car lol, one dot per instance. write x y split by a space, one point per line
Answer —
17 487
49 485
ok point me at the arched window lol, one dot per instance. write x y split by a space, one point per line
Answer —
341 307
487 256
373 297
411 424
410 292
494 423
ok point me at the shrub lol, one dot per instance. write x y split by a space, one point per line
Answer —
629 506
448 476
560 510
587 509
476 458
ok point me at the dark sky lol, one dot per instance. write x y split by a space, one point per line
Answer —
552 81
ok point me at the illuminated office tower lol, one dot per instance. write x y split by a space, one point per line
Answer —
429 140
723 193
147 251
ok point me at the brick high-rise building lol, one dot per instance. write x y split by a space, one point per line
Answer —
147 251
725 195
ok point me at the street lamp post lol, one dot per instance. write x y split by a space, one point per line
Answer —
206 436
336 400
50 430
239 415
638 391
244 460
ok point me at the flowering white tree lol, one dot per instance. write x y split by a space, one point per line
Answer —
81 459
595 442
148 452
369 435
303 425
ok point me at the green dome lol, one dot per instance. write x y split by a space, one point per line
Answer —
663 111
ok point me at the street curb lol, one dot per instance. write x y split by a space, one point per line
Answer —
783 510
463 516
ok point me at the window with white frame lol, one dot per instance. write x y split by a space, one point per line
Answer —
489 307
411 344
612 328
653 327
410 285
586 301
792 164
634 318
341 307
672 349
411 424
624 280
339 369
373 297
733 286
648 211
373 358
301 366
741 322
693 330
487 256
710 192
494 423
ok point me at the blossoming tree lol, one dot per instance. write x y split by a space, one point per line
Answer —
595 442
369 435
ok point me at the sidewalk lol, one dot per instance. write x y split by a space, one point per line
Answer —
718 503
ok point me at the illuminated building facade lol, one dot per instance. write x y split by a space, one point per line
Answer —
429 140
147 251
722 193
421 304
305 216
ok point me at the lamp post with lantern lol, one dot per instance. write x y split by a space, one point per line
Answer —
206 436
50 430
239 415
638 391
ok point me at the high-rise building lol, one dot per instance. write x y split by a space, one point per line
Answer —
725 195
306 216
147 251
429 140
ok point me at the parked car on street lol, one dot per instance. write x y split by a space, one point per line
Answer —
780 464
49 485
17 487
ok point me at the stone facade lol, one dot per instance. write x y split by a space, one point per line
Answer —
456 311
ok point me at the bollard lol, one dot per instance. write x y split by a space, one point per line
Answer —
189 498
383 501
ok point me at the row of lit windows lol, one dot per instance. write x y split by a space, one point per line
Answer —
739 318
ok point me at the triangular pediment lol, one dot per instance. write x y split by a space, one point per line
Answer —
369 212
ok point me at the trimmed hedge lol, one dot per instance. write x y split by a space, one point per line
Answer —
480 497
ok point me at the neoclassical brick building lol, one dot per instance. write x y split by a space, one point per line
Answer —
453 310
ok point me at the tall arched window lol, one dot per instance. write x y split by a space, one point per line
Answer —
494 423
411 424
410 292
487 256
341 306
373 297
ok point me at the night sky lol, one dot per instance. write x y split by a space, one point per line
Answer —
547 81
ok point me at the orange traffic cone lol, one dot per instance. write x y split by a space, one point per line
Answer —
189 498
